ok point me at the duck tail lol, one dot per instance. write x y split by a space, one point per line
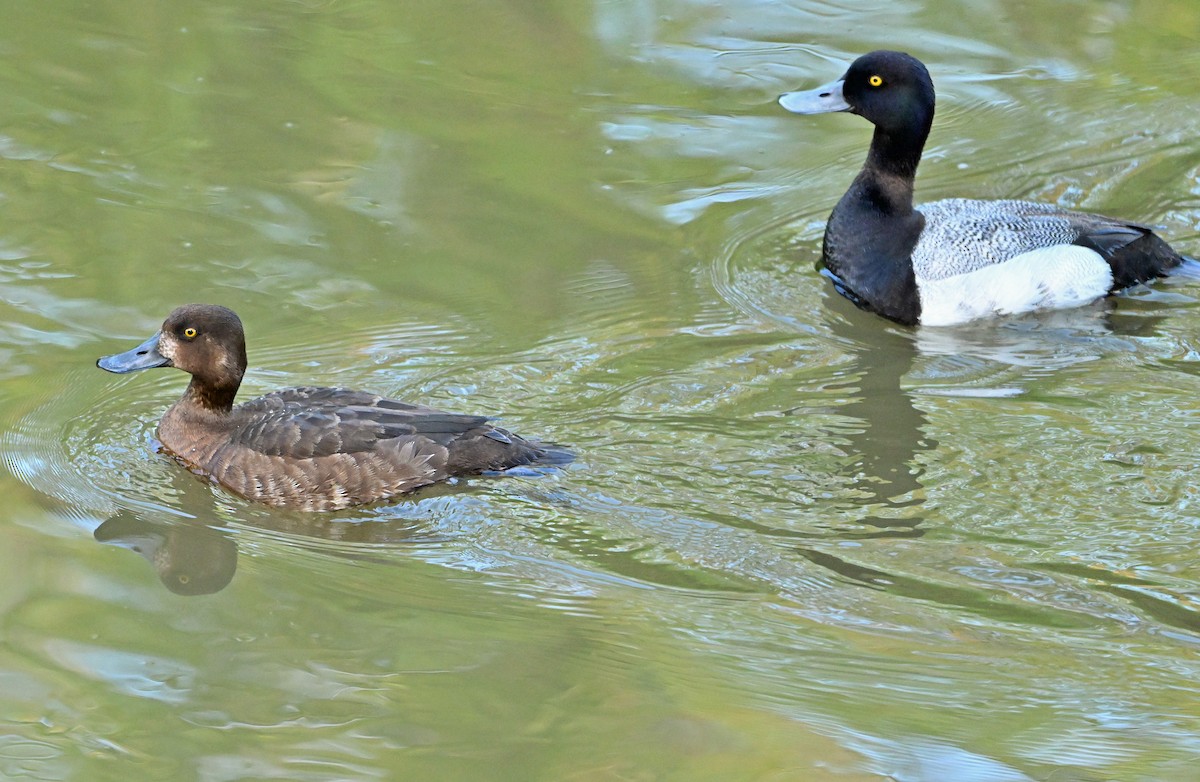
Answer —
541 459
552 454
1188 268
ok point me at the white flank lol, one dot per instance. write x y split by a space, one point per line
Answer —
1051 278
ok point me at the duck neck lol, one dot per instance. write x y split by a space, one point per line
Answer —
213 397
891 167
871 234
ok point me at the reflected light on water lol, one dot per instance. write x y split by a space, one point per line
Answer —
798 542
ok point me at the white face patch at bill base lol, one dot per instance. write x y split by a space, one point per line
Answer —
166 346
1051 278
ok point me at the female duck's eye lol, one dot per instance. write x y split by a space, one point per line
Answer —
189 332
875 81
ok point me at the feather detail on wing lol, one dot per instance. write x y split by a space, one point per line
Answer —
308 423
965 235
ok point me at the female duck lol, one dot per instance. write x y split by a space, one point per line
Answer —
311 449
956 260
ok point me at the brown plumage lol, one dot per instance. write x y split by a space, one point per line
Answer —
309 448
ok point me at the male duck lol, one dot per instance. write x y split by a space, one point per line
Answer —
311 449
956 260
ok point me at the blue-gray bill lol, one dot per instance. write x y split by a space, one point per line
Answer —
144 356
822 100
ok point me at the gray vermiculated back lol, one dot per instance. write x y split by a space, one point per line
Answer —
963 235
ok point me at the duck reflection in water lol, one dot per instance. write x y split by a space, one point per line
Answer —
894 368
190 557
891 433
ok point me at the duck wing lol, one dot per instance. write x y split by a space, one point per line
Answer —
964 235
321 449
311 422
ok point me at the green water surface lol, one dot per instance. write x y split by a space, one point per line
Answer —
798 543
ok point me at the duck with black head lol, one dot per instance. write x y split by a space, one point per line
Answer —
308 448
957 260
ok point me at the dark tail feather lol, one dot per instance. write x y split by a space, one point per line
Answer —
553 454
547 457
1188 268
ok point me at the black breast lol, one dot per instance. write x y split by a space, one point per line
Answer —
868 248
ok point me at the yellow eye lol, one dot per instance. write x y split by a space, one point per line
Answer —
875 81
189 332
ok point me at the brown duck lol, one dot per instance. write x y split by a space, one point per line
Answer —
308 448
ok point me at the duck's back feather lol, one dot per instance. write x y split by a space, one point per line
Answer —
329 448
310 422
965 235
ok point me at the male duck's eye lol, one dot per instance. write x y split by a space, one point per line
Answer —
189 332
875 81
